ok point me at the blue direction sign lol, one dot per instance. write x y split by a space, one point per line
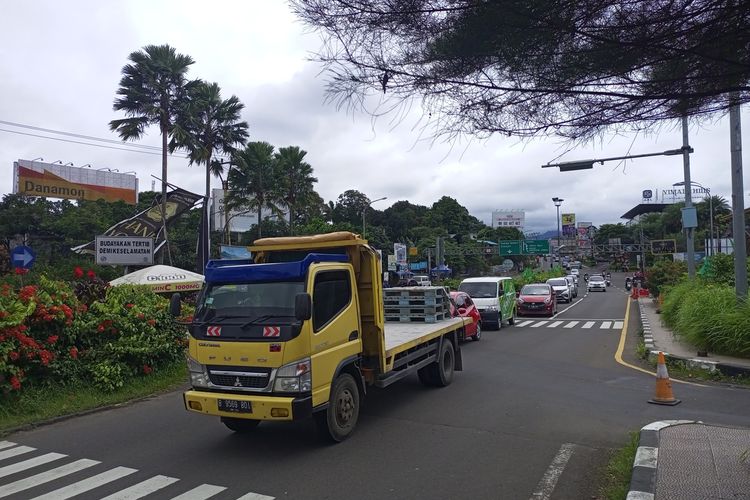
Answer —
23 257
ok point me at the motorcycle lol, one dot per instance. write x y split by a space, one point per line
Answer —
608 279
628 283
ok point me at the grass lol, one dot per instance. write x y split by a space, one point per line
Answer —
39 404
616 480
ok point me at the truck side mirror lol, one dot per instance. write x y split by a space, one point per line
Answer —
175 306
302 306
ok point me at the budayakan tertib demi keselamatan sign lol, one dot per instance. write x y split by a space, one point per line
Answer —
127 251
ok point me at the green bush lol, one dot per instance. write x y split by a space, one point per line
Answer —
536 276
664 273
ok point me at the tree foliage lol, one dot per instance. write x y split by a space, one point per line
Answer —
533 67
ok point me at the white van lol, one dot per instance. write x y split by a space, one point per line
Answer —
495 299
423 280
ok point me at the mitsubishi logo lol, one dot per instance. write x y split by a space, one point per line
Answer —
237 382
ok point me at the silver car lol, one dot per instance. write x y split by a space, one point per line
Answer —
596 282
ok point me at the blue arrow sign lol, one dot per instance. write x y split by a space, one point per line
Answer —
23 257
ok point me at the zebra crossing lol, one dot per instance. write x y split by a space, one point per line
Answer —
610 324
14 463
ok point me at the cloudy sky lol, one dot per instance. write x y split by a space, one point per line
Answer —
61 64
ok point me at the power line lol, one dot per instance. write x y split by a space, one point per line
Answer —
88 143
80 136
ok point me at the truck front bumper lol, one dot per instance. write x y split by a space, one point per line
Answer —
263 407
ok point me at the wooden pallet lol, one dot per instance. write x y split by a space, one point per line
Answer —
423 318
413 301
414 292
413 310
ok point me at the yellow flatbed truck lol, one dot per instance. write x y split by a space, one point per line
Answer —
299 331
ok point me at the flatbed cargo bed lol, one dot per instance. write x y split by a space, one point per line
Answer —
400 337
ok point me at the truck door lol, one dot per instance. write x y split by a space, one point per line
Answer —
336 332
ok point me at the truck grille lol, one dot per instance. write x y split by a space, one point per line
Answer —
249 378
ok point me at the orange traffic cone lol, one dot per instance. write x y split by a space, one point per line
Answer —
663 394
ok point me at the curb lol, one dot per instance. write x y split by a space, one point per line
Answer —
643 478
727 369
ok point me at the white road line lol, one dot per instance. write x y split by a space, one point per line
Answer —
588 324
12 452
87 484
618 325
255 496
201 492
539 323
28 464
547 484
524 323
571 324
6 444
606 325
143 488
45 477
555 324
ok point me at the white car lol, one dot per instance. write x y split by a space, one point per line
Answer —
574 272
561 289
423 280
596 282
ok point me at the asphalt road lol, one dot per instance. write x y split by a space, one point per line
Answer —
534 414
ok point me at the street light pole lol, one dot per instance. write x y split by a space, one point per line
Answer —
365 210
558 201
688 199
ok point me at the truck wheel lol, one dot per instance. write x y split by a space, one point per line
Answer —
441 371
240 424
337 422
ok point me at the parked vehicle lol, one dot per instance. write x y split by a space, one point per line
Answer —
596 282
463 306
423 280
574 278
295 333
494 297
561 288
573 288
537 299
574 271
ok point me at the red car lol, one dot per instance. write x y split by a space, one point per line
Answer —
462 305
536 299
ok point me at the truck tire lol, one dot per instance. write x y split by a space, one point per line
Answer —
441 371
337 422
240 425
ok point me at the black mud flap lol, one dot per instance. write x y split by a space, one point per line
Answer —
459 364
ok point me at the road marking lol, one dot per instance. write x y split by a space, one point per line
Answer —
606 325
255 496
524 323
621 348
617 325
547 484
571 324
19 450
588 324
87 484
555 324
568 308
539 323
201 492
143 488
6 444
46 477
28 464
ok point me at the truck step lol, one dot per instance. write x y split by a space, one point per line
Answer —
417 318
411 310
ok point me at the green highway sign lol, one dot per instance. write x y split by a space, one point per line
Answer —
524 247
536 247
510 247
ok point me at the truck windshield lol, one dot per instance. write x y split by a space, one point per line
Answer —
249 300
478 289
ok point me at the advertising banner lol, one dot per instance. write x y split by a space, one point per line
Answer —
148 223
128 251
568 224
399 250
50 180
661 247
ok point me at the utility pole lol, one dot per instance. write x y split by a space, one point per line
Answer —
558 201
688 211
738 204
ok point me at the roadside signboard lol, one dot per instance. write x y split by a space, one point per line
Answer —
536 247
510 247
659 247
23 257
128 250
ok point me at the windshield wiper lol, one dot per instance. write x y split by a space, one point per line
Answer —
262 318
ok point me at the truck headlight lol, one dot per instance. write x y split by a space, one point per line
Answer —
294 377
198 373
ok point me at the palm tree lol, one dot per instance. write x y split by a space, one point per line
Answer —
297 179
254 182
209 125
152 86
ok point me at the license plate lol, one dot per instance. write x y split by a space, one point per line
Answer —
235 406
